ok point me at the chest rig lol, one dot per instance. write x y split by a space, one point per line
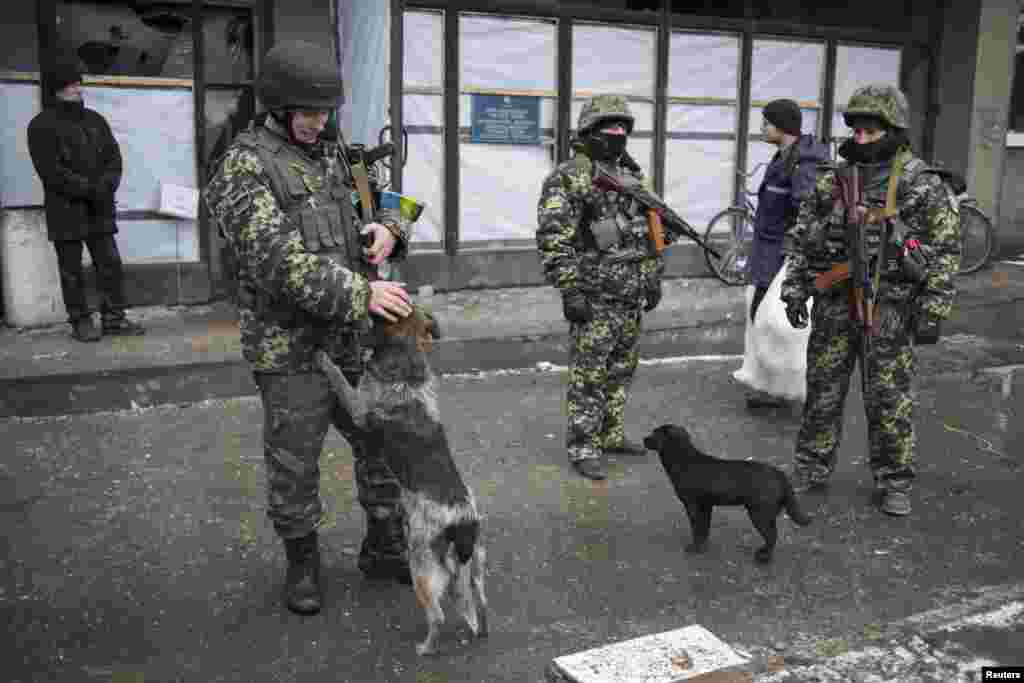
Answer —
614 225
312 194
881 187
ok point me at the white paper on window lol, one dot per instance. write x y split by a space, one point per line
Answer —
699 172
156 132
423 175
702 65
423 110
699 178
423 180
19 184
613 60
686 118
157 241
758 153
500 184
424 49
499 189
791 70
510 54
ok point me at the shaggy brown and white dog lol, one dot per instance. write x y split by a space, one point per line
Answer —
396 408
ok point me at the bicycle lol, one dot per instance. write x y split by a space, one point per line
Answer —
976 235
737 225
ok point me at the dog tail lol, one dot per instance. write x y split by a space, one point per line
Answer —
463 536
793 507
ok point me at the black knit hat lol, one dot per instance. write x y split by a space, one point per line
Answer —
784 115
65 71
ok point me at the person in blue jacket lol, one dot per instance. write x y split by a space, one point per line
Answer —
789 178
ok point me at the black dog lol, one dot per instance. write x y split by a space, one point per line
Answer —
702 482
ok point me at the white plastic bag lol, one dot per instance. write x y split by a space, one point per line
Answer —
774 352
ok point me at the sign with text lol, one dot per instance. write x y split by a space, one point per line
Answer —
505 119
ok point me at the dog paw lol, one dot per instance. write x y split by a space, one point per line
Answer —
763 555
697 548
426 649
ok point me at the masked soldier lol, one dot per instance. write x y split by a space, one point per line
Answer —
906 231
282 198
594 247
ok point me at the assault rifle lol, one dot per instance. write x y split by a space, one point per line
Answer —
862 293
659 214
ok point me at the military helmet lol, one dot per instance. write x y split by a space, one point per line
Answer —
601 108
884 102
300 75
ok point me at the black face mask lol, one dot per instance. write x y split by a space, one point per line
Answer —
605 146
875 152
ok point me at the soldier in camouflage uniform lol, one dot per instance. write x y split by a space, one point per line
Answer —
594 248
910 308
282 197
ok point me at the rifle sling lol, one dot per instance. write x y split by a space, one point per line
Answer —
362 180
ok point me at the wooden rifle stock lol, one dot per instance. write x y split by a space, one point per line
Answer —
655 230
831 277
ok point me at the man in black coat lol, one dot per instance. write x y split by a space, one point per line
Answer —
79 163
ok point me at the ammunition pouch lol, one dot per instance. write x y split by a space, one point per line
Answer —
606 234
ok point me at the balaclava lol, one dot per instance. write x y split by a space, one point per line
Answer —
605 146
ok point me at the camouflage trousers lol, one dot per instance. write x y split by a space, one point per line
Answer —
298 410
832 352
602 361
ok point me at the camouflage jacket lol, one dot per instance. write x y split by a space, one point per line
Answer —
287 215
926 205
568 208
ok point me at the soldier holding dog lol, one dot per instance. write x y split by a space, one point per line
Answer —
282 198
905 231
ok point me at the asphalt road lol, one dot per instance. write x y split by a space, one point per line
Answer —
136 550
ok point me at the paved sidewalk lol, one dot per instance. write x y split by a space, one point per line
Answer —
951 644
192 353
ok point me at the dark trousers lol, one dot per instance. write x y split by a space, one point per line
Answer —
297 412
106 261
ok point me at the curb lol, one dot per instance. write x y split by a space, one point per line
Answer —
129 388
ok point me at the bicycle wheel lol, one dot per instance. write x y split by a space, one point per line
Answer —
975 239
729 232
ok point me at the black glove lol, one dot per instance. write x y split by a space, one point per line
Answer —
653 296
926 331
575 307
796 311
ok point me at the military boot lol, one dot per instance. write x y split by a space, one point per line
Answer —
383 552
302 582
84 329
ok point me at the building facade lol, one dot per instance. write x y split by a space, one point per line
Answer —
176 81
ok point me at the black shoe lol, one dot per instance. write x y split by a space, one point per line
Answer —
122 327
85 330
302 582
627 447
591 468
